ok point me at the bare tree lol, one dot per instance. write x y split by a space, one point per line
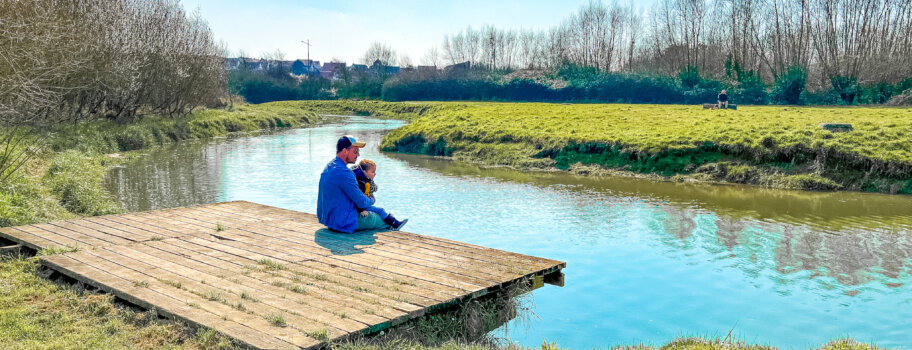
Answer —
75 60
379 52
431 58
405 61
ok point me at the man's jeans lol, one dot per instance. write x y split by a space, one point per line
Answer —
372 221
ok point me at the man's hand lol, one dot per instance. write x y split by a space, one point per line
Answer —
364 213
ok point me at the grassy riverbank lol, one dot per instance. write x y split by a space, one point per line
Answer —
783 147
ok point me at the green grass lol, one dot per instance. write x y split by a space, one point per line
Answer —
104 137
772 146
57 250
377 109
24 200
276 320
271 265
77 180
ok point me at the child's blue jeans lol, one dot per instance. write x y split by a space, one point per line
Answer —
383 214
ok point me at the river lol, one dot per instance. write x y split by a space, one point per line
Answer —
646 261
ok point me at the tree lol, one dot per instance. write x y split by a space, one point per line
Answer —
405 61
431 58
379 52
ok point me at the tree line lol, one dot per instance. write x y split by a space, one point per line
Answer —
840 46
73 60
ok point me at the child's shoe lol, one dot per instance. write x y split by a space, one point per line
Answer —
395 224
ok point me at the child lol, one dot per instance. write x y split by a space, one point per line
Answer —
364 173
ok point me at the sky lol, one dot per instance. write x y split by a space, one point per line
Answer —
344 29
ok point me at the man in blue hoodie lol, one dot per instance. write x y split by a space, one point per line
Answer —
339 194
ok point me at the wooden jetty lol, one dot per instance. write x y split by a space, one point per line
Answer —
271 277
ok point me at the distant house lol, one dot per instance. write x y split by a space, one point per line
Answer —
254 64
459 67
332 70
359 67
380 68
304 67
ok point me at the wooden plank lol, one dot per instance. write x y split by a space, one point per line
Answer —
164 305
27 239
268 302
140 234
135 222
87 240
269 294
205 218
254 257
273 212
241 277
402 268
249 209
477 276
364 261
468 250
102 229
76 228
61 240
196 227
394 255
228 313
179 229
421 293
396 294
193 211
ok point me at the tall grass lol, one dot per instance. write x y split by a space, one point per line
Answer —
76 179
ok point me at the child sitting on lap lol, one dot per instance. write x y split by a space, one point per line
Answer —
364 173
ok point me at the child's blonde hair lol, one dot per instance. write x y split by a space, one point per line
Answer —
367 164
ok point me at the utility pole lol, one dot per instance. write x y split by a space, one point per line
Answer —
308 51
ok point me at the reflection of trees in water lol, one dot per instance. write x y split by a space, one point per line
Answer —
186 175
729 230
681 224
850 256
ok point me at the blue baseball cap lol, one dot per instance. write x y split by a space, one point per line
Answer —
346 141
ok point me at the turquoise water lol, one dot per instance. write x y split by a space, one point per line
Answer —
646 261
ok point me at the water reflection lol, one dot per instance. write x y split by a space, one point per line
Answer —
647 261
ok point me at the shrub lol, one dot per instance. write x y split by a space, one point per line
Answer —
790 85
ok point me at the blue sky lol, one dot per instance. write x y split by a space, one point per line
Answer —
345 29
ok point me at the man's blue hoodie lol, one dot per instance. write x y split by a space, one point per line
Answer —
338 197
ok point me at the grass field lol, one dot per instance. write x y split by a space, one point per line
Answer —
772 146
